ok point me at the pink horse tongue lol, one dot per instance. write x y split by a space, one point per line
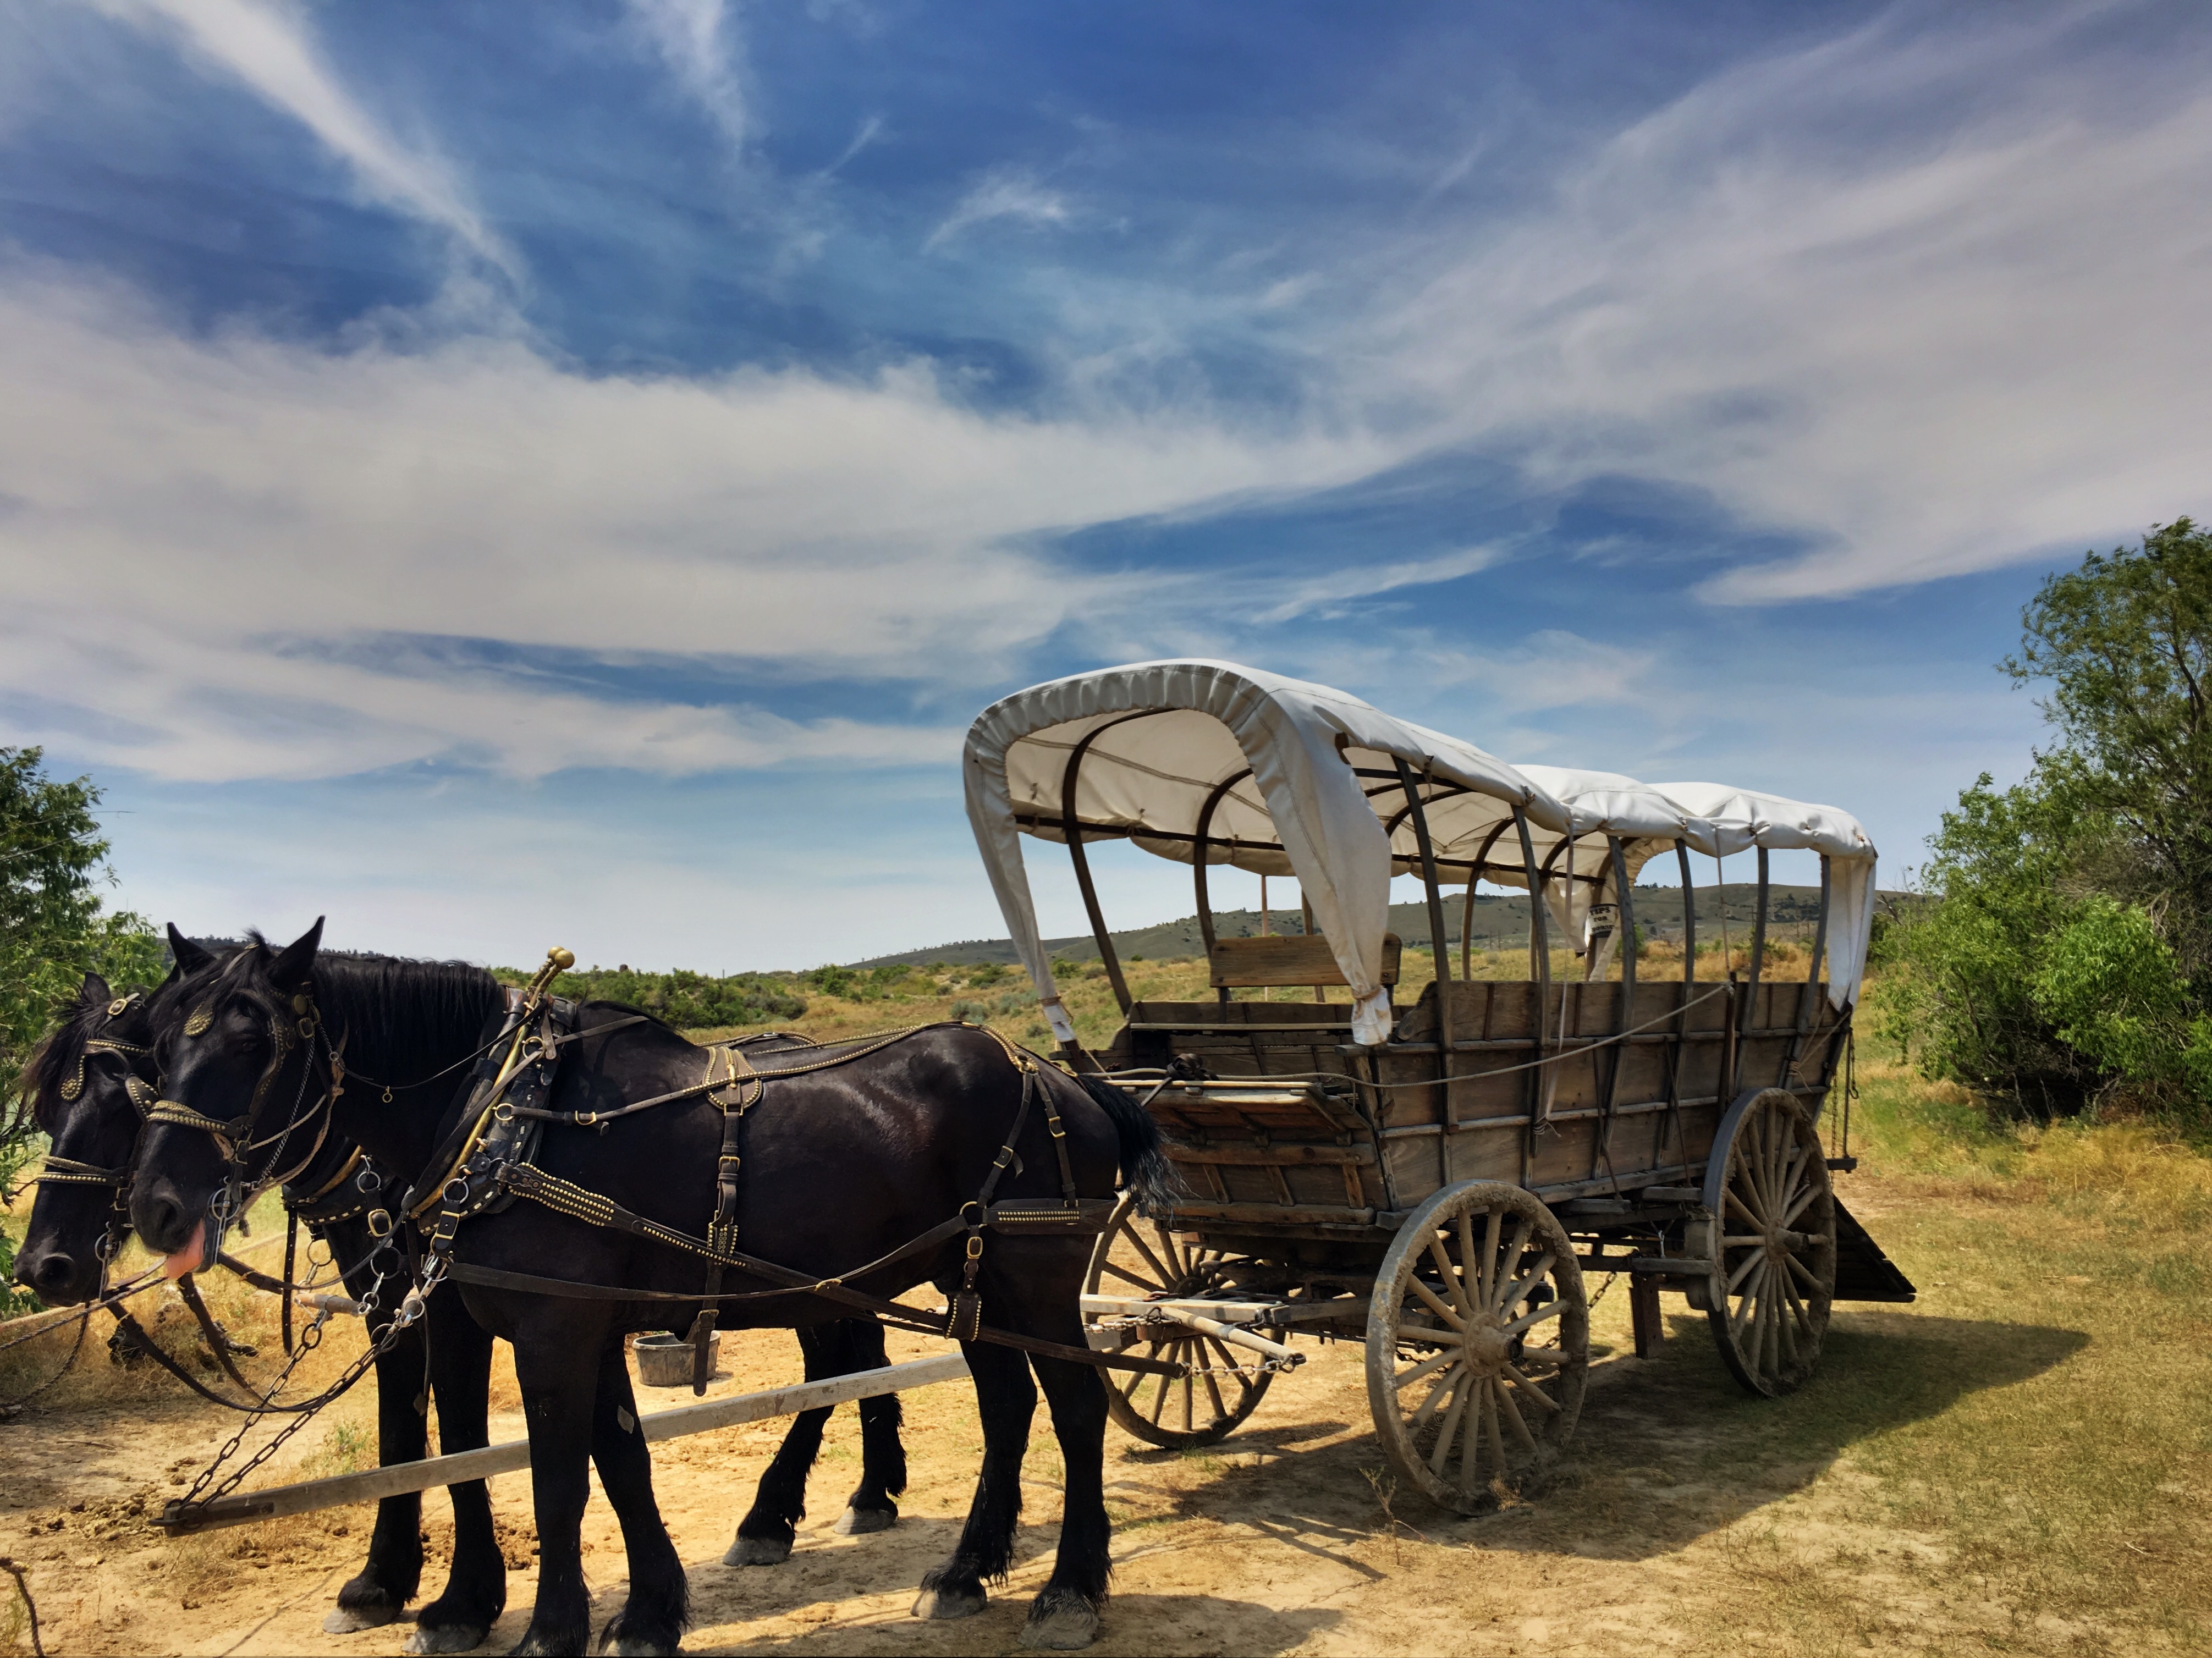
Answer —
189 1259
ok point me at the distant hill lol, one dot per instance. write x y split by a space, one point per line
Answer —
1501 922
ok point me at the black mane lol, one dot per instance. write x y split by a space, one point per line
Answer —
409 1013
60 1052
396 1020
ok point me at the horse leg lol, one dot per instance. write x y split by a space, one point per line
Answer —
659 1610
1005 1399
387 1581
557 1398
766 1533
461 1384
1065 1614
883 1456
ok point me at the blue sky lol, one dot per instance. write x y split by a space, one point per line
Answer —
502 476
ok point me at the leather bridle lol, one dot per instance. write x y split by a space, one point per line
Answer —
58 1171
237 1138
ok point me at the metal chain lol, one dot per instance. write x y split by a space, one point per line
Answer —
1601 1288
409 1310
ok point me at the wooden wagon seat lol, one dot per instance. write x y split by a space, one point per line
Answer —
1297 960
1242 1141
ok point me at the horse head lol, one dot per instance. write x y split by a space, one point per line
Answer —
248 1079
87 1086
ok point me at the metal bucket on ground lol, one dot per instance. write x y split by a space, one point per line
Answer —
665 1361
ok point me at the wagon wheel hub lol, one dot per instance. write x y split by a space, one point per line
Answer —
1487 1348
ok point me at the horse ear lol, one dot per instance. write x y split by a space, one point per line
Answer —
189 956
95 992
289 970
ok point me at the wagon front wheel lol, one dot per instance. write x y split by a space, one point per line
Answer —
1771 1240
1477 1345
1135 1261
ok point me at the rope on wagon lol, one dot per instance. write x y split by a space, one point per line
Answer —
1575 1053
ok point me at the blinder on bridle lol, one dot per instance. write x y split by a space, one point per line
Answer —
58 1171
234 1137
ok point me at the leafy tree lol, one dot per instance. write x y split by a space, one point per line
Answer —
2110 986
2068 956
1961 991
52 929
2125 643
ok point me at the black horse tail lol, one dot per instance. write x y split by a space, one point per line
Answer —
1144 1168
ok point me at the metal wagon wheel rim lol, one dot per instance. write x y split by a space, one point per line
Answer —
1223 1388
1772 1242
1477 1345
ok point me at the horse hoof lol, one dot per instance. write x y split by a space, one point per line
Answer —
1064 1629
758 1551
859 1523
945 1604
351 1620
445 1638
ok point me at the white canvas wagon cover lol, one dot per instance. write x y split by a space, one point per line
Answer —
1301 780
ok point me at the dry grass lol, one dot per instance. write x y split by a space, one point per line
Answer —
2017 1463
2035 1440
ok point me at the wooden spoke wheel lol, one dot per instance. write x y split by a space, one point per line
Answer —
1141 1260
1772 1239
1478 1344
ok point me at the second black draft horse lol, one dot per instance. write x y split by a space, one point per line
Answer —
841 1166
82 1084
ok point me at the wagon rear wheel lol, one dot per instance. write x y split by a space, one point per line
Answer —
1478 1344
1140 1260
1772 1242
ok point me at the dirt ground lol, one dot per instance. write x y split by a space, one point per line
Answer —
1690 1519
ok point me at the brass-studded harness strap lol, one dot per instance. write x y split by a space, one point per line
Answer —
226 1131
68 1171
93 1045
346 1172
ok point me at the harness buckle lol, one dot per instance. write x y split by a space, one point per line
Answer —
379 1223
975 1246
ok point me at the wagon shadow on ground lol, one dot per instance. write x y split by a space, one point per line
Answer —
1668 1450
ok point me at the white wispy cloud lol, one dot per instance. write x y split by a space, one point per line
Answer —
1356 581
1012 193
269 48
1927 296
178 503
697 40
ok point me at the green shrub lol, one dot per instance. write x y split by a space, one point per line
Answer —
688 1000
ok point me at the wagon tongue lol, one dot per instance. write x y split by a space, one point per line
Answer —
193 1256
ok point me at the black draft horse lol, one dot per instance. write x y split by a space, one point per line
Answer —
78 1086
841 1167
